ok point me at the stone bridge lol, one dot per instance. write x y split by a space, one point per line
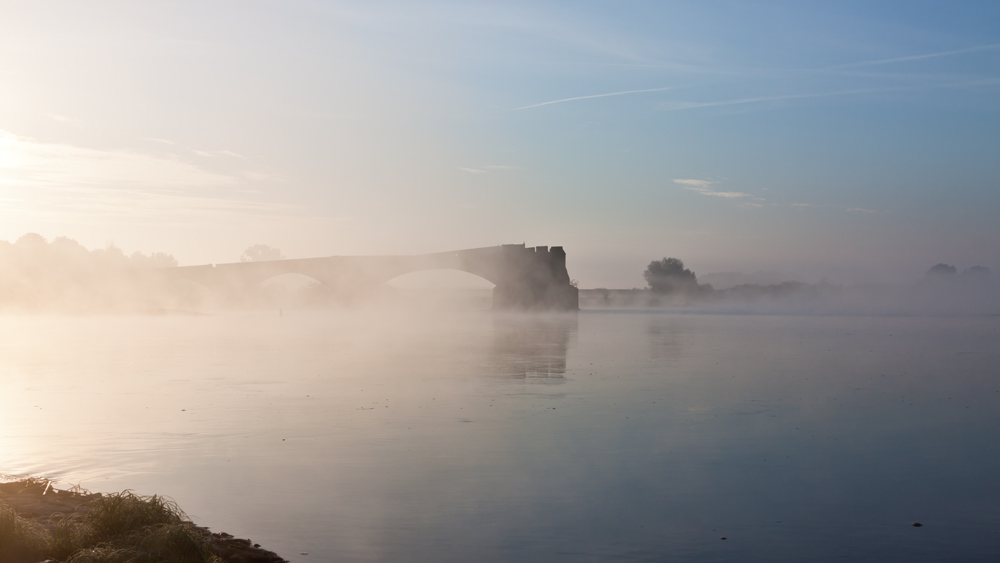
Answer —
525 277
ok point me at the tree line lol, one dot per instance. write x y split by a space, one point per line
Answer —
40 275
669 276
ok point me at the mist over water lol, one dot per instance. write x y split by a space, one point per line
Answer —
942 291
917 299
62 276
409 421
367 435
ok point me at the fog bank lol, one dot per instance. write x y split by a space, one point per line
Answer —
941 291
61 276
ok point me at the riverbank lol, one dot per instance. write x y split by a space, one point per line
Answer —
39 522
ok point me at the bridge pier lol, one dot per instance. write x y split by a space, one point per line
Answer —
534 279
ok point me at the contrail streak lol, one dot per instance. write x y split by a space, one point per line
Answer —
693 105
919 57
595 96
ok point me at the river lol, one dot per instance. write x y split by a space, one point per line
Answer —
473 436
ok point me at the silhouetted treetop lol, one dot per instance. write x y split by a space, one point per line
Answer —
261 253
63 275
154 260
669 275
942 270
977 272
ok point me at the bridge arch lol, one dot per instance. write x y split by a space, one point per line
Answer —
523 277
289 279
440 278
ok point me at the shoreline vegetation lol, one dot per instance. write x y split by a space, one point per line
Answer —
41 523
941 291
38 276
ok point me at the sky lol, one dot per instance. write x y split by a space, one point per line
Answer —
856 141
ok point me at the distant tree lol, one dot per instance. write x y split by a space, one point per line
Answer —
977 272
942 271
111 257
977 277
37 275
669 276
261 253
32 241
154 260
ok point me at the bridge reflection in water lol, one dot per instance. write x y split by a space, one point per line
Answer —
526 278
533 347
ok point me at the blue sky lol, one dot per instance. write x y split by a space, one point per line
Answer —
853 140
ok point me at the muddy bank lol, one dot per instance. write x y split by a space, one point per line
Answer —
38 521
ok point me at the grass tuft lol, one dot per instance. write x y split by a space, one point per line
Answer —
21 541
103 554
125 513
116 528
173 543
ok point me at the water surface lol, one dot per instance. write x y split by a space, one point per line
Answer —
602 436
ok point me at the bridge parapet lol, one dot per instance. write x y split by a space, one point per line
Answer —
525 277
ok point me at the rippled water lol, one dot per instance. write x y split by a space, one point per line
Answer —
632 436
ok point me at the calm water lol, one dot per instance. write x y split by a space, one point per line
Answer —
602 436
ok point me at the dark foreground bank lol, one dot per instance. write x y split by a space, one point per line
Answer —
40 523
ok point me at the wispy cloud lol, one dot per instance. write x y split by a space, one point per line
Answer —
988 47
489 168
262 176
63 118
65 181
852 209
596 96
213 154
28 162
704 187
696 183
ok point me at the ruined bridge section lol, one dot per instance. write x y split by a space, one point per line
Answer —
525 278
